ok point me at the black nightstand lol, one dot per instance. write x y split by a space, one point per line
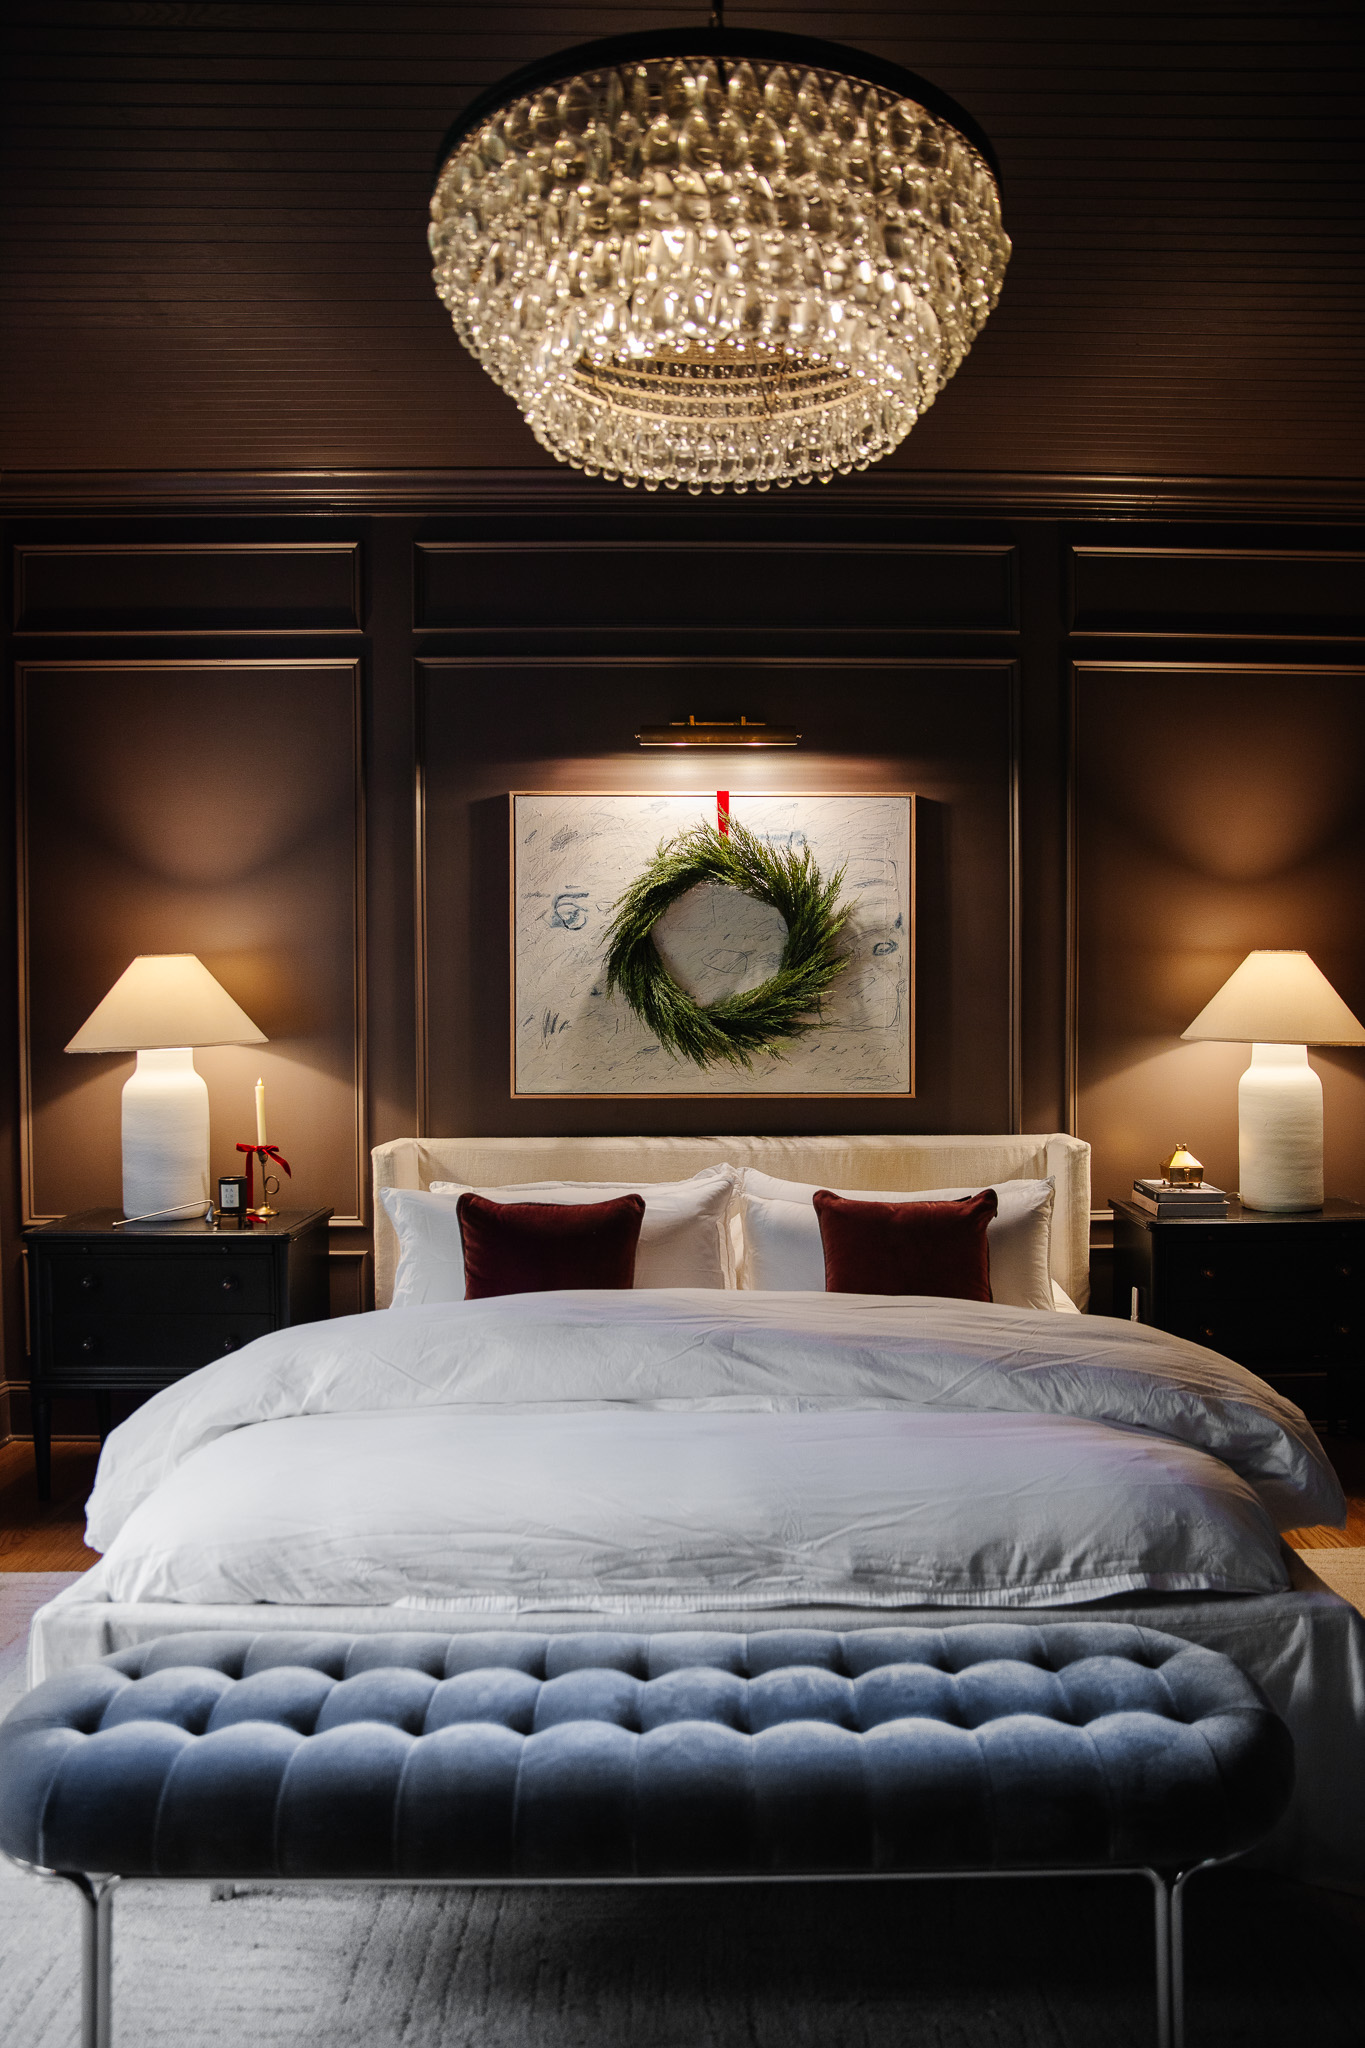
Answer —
1283 1295
140 1307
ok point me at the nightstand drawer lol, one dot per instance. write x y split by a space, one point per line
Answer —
146 1347
1258 1294
1247 1330
207 1284
1257 1264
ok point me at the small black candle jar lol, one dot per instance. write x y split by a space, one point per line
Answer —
232 1199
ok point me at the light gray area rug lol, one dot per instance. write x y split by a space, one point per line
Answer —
1343 1570
21 1595
1039 1964
1009 1965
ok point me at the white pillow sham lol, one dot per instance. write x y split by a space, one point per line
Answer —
684 1236
782 1247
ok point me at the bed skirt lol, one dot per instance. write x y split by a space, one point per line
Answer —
1305 1648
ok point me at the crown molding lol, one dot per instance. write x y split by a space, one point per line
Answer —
929 493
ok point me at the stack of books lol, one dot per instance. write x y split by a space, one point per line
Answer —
1160 1198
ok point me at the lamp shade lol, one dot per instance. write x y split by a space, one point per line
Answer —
165 999
1278 999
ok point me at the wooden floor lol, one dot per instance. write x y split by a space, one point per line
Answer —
46 1536
1348 1455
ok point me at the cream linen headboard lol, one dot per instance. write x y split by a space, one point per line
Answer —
870 1162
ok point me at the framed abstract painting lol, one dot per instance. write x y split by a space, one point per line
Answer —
575 854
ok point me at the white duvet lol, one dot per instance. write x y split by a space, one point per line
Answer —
611 1452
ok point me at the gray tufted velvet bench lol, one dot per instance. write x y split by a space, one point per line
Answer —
606 1758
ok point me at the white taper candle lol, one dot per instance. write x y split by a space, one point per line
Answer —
260 1112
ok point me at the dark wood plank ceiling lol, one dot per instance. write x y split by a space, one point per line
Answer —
214 217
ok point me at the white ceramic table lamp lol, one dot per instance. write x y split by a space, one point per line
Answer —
161 1008
1283 1004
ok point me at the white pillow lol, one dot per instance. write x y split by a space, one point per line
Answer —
783 1250
684 1235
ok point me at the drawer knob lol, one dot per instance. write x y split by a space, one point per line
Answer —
1344 1272
1207 1331
89 1344
231 1343
1206 1273
88 1283
231 1283
1343 1329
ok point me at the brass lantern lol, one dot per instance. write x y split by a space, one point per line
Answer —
1182 1169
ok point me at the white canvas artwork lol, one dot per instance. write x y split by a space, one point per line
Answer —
573 855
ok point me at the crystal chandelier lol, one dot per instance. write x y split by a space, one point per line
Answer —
716 257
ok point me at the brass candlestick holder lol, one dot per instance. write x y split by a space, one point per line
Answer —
269 1182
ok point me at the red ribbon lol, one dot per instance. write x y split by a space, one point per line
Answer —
723 813
263 1152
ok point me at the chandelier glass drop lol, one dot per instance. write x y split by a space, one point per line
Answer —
717 258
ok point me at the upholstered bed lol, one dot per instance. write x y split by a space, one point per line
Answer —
873 1162
685 1457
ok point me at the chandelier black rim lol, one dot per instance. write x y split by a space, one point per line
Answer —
726 46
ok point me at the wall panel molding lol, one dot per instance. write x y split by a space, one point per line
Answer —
1016 888
1079 672
1217 592
283 587
1023 494
1221 821
751 585
156 891
420 894
1072 998
769 668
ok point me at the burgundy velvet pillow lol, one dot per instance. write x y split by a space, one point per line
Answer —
907 1247
530 1247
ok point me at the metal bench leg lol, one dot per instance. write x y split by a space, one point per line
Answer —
1169 2022
1174 1888
97 1957
1178 1953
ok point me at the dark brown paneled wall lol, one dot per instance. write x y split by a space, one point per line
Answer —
211 807
286 744
748 584
213 230
943 729
277 588
1221 808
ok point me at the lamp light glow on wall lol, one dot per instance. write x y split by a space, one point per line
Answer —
717 257
1282 1003
161 1007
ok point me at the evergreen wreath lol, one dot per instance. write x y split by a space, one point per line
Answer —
762 1019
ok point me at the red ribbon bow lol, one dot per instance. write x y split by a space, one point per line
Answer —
263 1152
